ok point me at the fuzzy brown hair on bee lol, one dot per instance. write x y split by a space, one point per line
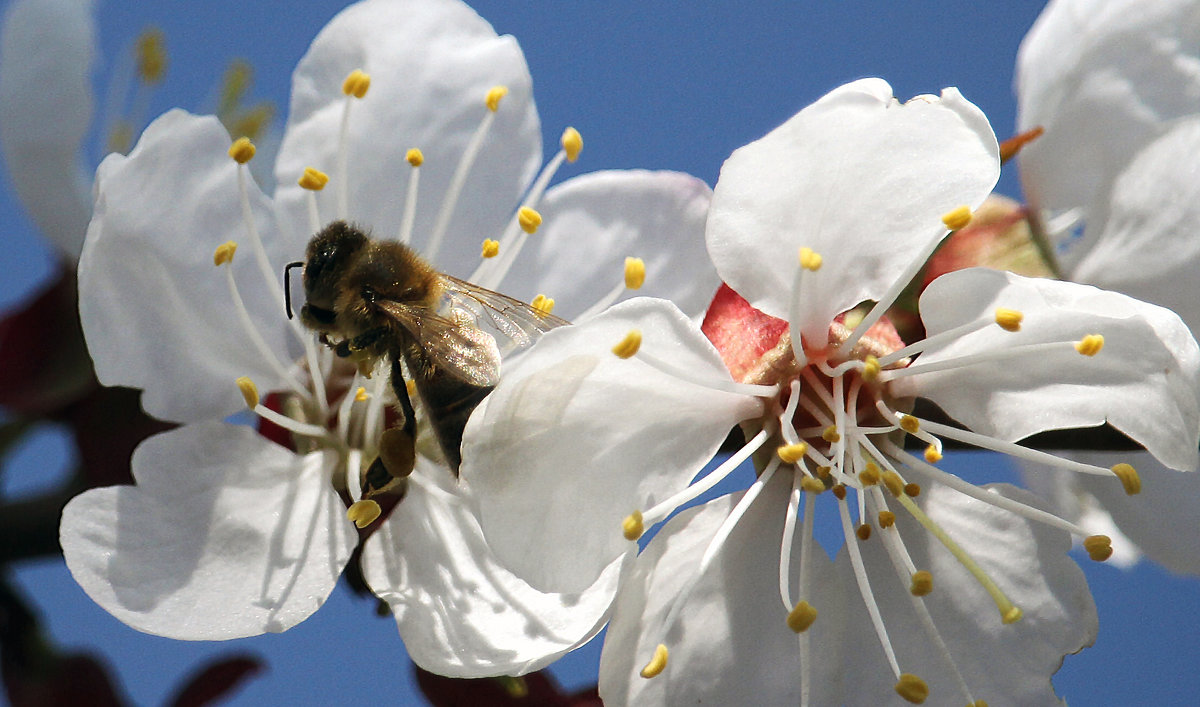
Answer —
370 299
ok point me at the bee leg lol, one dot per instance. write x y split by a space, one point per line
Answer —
389 472
362 342
400 388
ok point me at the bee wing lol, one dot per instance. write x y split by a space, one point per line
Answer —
515 321
452 343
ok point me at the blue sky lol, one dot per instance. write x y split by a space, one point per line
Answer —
663 85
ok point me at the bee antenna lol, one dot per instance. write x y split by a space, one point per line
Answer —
287 284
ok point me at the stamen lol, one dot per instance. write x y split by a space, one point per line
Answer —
635 273
491 248
863 531
1009 319
657 664
912 688
1090 345
151 55
242 150
529 219
864 589
871 368
357 83
249 391
1011 448
1099 547
1010 147
363 513
727 386
792 453
543 304
313 179
888 298
572 143
629 346
1009 612
494 94
633 527
454 190
415 159
922 584
912 490
830 434
933 455
224 253
785 546
957 219
810 259
1129 478
811 485
664 508
801 617
886 519
935 341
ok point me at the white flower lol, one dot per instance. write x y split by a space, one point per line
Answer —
228 534
1114 189
46 54
862 188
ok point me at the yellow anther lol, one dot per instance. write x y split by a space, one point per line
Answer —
657 664
932 455
958 218
1099 547
515 687
360 395
910 424
792 453
635 273
1009 319
839 491
871 368
978 703
242 150
922 583
811 485
249 391
572 143
151 54
224 253
529 219
629 346
886 519
415 157
830 434
491 248
1090 345
1012 616
893 482
912 688
494 94
363 513
1129 478
912 490
810 259
313 179
632 527
801 617
869 476
356 83
824 472
863 531
543 304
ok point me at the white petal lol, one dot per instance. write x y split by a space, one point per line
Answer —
1102 77
1159 518
593 222
156 313
1143 382
225 535
459 612
1000 663
574 439
731 640
1148 247
46 52
431 64
860 179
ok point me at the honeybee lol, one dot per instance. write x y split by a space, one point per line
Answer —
369 299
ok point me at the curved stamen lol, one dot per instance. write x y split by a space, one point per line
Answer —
664 508
415 159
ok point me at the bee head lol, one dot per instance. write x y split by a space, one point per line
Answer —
329 256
